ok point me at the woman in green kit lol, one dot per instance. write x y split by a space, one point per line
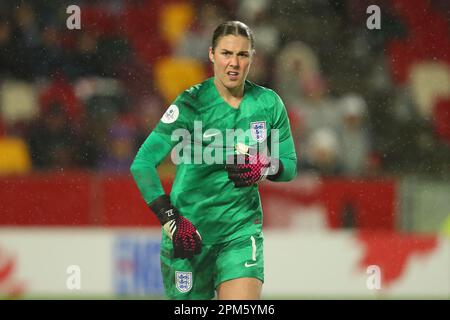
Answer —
234 134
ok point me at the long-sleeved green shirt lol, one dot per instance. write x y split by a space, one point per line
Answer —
200 130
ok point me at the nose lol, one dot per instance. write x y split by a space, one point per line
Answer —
234 62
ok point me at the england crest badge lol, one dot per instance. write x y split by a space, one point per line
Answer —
183 281
258 131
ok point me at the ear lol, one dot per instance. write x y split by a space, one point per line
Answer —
253 52
211 54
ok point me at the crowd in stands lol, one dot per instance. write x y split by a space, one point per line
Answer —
361 102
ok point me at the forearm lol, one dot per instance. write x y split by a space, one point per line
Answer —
288 170
287 162
143 168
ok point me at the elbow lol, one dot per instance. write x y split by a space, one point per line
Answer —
291 175
134 168
294 173
291 170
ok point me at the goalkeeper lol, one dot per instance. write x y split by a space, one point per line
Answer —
233 134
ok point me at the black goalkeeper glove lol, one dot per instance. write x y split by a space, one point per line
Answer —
186 240
249 167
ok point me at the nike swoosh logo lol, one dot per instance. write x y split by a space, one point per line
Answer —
210 135
247 265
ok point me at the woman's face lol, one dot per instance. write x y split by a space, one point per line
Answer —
231 58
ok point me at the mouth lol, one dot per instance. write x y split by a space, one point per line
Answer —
233 75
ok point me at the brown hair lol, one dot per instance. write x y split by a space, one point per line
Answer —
236 28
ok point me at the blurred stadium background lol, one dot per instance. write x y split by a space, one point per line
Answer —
369 110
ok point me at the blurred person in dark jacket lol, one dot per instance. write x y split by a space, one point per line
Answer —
7 52
52 140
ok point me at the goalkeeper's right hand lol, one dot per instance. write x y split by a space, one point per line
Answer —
186 240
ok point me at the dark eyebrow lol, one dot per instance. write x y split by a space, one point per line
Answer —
228 51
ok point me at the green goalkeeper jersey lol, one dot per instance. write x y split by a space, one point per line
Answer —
199 130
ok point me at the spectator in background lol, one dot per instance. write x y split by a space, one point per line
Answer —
7 52
26 38
120 148
85 61
61 92
49 57
317 107
52 140
334 131
260 73
322 153
354 136
318 125
295 65
27 30
196 41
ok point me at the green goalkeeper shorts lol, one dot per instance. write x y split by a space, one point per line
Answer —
199 277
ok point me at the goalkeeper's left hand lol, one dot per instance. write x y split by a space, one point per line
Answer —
249 167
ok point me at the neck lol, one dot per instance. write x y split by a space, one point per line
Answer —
229 94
